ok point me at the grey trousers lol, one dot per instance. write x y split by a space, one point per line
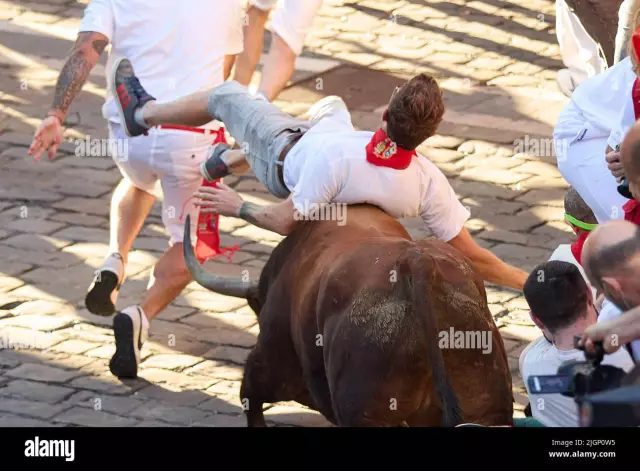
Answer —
260 128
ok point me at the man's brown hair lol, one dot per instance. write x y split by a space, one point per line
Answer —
415 112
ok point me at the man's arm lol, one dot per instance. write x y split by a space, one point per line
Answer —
278 217
490 267
82 59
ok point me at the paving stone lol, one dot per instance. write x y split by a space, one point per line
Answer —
298 416
172 414
31 257
36 241
34 391
75 346
78 219
222 420
189 379
519 332
63 360
545 213
93 418
543 182
34 226
504 236
170 362
37 322
101 402
210 301
7 283
17 338
83 206
539 168
227 353
38 410
494 205
37 372
10 420
546 197
217 370
172 395
220 320
223 404
106 383
503 177
225 388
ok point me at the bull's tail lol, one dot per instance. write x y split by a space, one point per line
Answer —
420 281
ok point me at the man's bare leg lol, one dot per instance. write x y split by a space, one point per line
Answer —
247 61
130 206
191 110
169 277
278 69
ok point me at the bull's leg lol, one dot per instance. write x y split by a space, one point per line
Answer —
271 374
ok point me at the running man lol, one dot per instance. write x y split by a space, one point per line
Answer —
189 48
324 160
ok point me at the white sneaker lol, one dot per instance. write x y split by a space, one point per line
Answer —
131 330
103 291
566 81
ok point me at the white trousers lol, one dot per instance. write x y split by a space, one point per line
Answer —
291 20
169 159
578 50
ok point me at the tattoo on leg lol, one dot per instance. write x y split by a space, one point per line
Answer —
249 212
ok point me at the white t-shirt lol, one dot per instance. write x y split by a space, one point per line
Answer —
177 47
542 358
563 253
610 311
328 165
594 110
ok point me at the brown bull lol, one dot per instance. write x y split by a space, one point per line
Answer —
349 321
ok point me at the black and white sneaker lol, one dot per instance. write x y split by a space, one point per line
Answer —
130 95
103 292
131 330
214 168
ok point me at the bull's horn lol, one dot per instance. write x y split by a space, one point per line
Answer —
229 286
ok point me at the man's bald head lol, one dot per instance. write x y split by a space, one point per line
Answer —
630 153
609 249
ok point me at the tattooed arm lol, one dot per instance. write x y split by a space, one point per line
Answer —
83 57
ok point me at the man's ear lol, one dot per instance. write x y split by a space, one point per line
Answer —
536 321
610 285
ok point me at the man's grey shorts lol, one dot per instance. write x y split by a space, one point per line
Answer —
262 130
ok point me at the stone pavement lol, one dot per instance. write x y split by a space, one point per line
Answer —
496 61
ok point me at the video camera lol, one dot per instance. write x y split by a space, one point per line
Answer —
599 391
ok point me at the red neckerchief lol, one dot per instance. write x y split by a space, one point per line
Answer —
383 152
576 247
632 211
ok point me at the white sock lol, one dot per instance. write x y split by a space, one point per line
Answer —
115 264
138 118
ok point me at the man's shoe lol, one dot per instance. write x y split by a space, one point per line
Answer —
131 330
214 167
103 292
130 95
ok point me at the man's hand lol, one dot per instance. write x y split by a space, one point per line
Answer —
221 200
613 333
47 137
615 165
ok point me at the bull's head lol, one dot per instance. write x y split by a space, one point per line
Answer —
227 285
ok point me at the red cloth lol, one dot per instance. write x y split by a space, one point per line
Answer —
382 151
576 247
632 211
208 231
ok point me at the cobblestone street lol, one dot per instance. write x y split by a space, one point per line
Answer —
496 61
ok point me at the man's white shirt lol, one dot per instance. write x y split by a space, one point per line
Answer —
328 165
610 311
542 358
177 47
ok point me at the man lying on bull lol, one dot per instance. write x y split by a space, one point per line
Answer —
323 160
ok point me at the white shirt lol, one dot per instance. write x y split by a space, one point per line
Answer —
177 47
595 106
610 311
542 358
328 165
563 253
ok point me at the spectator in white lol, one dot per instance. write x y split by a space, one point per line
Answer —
189 48
289 26
597 110
581 220
612 263
324 161
579 51
562 307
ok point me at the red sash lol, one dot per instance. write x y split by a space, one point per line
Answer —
632 208
576 247
208 232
